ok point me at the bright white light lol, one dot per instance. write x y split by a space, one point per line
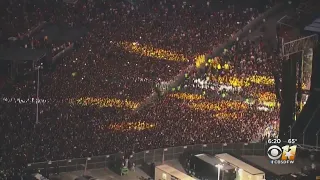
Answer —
222 160
240 170
219 166
164 176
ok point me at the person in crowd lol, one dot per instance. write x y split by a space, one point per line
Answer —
86 105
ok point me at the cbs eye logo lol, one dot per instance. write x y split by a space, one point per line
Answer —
274 152
285 153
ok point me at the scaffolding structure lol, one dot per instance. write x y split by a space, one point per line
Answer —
286 21
289 47
298 45
287 29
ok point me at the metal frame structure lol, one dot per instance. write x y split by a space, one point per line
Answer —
281 21
146 156
298 45
38 68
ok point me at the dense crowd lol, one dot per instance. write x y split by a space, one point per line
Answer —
87 102
243 77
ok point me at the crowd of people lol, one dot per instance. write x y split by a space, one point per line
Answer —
246 85
88 102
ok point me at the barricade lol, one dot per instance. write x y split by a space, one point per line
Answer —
148 156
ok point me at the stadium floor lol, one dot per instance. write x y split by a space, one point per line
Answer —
105 174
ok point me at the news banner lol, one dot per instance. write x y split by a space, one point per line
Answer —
282 152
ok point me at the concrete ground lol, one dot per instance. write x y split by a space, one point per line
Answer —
107 174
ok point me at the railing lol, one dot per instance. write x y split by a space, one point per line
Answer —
148 156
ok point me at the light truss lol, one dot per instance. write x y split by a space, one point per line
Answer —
299 45
284 21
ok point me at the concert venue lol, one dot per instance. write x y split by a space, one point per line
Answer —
163 90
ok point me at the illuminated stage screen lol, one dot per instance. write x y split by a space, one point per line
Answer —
307 69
